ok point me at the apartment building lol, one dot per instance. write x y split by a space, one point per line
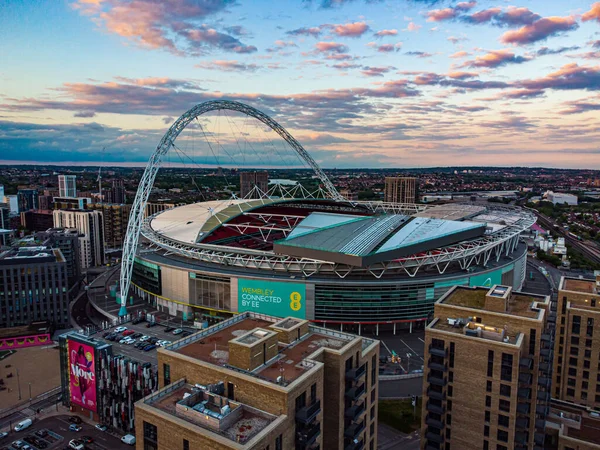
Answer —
486 385
90 225
258 382
67 185
400 189
116 219
250 180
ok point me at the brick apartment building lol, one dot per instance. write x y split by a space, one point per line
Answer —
259 382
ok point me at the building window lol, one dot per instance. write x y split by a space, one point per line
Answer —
505 390
451 354
587 353
166 374
373 371
506 367
586 375
279 443
372 444
451 376
504 405
486 445
486 430
372 412
502 436
588 342
488 401
438 343
590 327
586 364
501 447
313 393
574 340
571 392
574 351
300 401
449 405
449 419
450 390
593 302
488 387
150 436
571 382
584 385
576 325
487 416
572 371
186 444
448 434
532 333
572 361
373 396
490 368
372 428
503 420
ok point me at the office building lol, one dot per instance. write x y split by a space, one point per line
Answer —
561 198
28 199
46 202
4 216
251 180
33 286
71 202
257 382
90 226
37 220
67 186
487 375
400 190
67 240
13 204
1 193
116 218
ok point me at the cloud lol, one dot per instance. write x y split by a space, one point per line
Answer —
539 30
419 54
86 114
330 47
580 106
592 14
382 33
162 82
456 40
176 25
595 44
355 29
412 27
439 15
304 31
543 51
510 17
228 65
568 77
460 54
386 48
237 30
375 71
458 75
495 58
346 66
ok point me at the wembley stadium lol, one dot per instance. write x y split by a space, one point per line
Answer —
314 255
330 261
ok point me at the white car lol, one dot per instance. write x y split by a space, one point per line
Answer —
126 340
165 342
3 435
120 329
177 331
76 445
144 338
131 341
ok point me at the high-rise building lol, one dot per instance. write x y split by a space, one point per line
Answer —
13 204
67 240
116 218
400 190
71 202
250 180
154 208
28 199
486 381
37 220
67 186
46 202
91 228
33 286
257 382
1 193
118 192
4 216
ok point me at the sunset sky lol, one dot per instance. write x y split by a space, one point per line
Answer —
360 83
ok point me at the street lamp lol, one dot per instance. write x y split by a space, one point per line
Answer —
30 392
19 384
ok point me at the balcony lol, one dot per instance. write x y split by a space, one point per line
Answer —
308 413
355 373
521 437
354 412
358 445
437 381
542 410
355 392
354 430
308 435
437 366
434 422
545 352
524 393
434 408
522 423
438 351
539 438
435 394
544 382
545 368
438 438
546 337
523 408
526 363
543 396
525 378
433 446
540 424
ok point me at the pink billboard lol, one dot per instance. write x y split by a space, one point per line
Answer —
82 375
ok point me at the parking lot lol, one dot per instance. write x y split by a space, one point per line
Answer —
157 331
53 433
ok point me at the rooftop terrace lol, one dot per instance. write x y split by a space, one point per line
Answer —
291 360
579 285
235 421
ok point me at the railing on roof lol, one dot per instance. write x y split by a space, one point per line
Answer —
164 392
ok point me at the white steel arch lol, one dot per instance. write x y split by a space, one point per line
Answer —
136 217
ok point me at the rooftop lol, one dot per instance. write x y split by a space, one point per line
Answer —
579 285
291 361
199 407
16 255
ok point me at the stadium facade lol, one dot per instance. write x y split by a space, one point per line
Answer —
329 261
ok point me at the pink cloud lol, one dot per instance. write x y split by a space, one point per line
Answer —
413 27
325 47
375 71
539 30
592 14
439 15
382 33
459 75
228 65
355 29
387 48
496 58
460 54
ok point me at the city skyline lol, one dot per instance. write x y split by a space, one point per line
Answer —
411 83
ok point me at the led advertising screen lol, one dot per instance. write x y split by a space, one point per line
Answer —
82 375
272 298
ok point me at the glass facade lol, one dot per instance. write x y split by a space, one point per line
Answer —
147 276
210 291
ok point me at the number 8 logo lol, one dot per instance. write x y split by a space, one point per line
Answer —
295 298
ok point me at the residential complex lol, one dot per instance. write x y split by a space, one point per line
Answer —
37 220
67 185
33 286
90 226
27 199
257 382
67 240
486 384
116 218
400 190
251 180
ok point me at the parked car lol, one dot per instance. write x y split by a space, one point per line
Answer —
75 419
128 439
3 435
23 424
76 444
75 427
125 340
149 347
18 444
153 340
150 324
137 320
186 333
87 439
177 331
120 329
144 338
169 329
107 333
130 341
101 427
136 335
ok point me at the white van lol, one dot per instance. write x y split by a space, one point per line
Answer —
23 424
76 445
128 439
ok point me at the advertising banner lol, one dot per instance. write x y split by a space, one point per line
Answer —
82 375
272 298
